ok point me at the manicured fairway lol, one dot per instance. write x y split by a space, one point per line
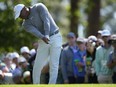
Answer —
72 85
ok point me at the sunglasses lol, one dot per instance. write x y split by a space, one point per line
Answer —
79 42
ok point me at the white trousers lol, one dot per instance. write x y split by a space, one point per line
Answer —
51 50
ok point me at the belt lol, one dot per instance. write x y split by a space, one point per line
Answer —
57 31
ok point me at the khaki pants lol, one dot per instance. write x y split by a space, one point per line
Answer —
104 79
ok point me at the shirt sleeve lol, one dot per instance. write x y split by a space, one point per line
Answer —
97 63
31 29
44 14
110 58
63 65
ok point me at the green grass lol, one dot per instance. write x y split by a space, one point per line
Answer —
67 85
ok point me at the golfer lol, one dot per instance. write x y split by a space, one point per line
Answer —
39 22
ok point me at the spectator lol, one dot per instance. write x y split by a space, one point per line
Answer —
79 60
67 59
32 58
91 50
26 78
92 38
17 72
31 61
6 78
35 45
3 67
8 62
15 57
99 34
23 64
99 42
25 52
104 74
112 58
32 52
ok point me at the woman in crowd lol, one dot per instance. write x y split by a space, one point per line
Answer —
91 50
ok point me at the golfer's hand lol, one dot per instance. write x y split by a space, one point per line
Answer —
46 40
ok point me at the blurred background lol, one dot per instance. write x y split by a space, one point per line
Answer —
83 17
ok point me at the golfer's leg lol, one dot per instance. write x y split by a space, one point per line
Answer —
42 54
55 51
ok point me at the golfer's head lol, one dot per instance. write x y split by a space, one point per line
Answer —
21 11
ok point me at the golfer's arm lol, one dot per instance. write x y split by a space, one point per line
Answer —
44 14
31 29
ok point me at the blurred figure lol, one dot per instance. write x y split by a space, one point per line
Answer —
79 61
17 72
6 78
65 45
44 78
25 52
32 52
104 74
99 34
67 56
8 62
92 38
32 58
112 57
21 67
90 57
23 64
26 78
15 57
3 67
35 45
99 42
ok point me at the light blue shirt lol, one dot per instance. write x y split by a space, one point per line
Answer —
111 58
102 57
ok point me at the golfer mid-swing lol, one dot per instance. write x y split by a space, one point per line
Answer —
39 22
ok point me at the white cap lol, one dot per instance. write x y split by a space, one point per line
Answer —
17 10
21 59
80 39
26 74
9 55
100 32
93 38
24 49
32 52
106 33
0 72
15 55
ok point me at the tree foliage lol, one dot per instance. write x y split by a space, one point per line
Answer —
93 12
67 16
74 16
12 36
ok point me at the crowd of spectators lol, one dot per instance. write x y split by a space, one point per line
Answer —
82 60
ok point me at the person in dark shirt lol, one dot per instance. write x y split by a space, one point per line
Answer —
90 57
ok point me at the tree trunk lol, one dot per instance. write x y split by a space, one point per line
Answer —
93 17
74 16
